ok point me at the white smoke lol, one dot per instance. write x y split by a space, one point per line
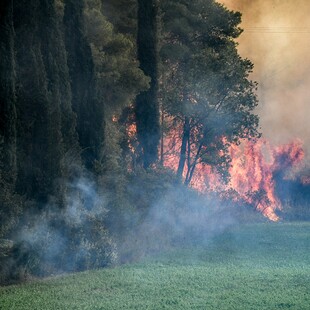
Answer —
276 39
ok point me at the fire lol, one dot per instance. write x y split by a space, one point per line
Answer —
288 155
252 176
253 171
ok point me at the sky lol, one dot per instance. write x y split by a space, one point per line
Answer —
276 39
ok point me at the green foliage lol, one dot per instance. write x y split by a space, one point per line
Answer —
206 81
132 198
10 202
15 260
122 14
146 186
118 77
49 94
46 123
118 80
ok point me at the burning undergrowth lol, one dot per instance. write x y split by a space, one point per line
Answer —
247 172
255 168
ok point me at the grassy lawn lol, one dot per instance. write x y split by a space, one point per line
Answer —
263 266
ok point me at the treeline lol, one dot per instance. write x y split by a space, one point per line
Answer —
88 91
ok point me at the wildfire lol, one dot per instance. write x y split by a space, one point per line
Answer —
255 165
252 171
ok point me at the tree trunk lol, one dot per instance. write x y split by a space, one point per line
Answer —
185 139
191 169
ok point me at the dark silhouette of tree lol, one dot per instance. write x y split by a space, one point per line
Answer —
146 108
81 70
7 94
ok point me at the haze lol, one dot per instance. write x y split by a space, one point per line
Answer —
276 39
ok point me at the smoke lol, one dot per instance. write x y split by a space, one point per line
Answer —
68 238
181 218
276 39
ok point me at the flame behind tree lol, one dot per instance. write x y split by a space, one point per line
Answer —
210 135
254 170
205 89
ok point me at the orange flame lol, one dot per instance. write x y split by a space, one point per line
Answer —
253 166
252 172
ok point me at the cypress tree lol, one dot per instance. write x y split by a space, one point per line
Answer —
39 125
88 109
7 94
10 203
147 109
63 141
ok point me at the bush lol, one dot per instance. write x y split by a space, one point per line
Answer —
72 238
61 246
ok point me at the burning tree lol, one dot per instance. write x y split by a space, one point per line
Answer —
206 92
209 128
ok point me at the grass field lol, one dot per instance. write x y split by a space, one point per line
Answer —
263 266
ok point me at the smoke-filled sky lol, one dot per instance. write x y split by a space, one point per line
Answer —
276 39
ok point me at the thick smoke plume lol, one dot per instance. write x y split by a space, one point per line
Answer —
276 39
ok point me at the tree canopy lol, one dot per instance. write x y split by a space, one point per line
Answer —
205 82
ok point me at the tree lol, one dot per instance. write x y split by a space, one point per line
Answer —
10 203
85 104
7 94
39 144
206 90
146 108
122 14
118 80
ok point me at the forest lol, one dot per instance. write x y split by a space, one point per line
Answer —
110 109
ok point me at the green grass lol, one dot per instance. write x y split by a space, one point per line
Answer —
263 266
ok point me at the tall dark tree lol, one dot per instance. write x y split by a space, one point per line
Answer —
111 30
118 81
88 109
39 139
9 201
7 94
147 109
55 58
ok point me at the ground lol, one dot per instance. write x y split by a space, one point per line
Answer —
261 266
